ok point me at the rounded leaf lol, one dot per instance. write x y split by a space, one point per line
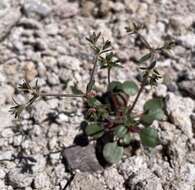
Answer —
151 115
94 130
112 153
145 58
115 85
120 131
130 88
126 139
149 137
155 103
93 102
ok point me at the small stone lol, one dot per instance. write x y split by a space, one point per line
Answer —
182 121
187 40
40 111
132 5
6 92
40 163
17 140
52 144
118 6
113 179
188 87
2 173
41 181
2 185
177 103
87 8
52 29
132 165
161 90
66 10
69 62
31 24
62 118
85 181
179 110
179 24
82 158
53 79
19 180
142 10
54 158
144 179
65 74
36 7
8 21
30 71
6 155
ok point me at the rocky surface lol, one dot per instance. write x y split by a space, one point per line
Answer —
45 40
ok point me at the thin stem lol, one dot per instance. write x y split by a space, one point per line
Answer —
93 72
43 94
144 41
109 81
137 97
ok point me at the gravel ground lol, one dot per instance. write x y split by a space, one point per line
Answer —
45 40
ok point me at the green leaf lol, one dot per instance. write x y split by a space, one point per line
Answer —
126 139
120 131
90 85
130 88
106 45
149 137
117 65
115 85
145 58
112 153
94 130
153 109
93 102
155 103
151 115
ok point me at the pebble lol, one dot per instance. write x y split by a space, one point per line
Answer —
6 93
132 165
82 158
5 118
53 79
85 181
69 62
40 110
33 8
113 179
19 180
41 181
2 173
188 87
144 178
8 21
62 118
179 110
40 163
66 10
6 155
161 90
52 29
30 71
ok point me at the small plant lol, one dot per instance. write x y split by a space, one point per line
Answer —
110 113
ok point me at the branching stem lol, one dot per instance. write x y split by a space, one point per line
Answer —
109 81
137 97
93 72
43 94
